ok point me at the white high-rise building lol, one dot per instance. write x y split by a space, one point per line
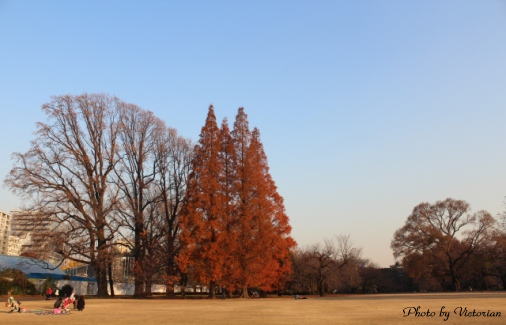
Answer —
9 244
33 231
14 246
5 228
34 236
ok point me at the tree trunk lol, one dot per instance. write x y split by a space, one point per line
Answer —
139 290
455 280
100 267
171 267
184 282
111 280
101 276
457 285
147 289
225 293
321 288
245 293
212 290
169 289
139 286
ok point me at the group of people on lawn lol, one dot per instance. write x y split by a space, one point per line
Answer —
65 298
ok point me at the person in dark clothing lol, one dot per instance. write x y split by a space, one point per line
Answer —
58 302
79 303
66 291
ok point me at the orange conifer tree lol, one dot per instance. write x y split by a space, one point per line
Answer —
267 208
264 240
241 136
235 232
202 217
229 222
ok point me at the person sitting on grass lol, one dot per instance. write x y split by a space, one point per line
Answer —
66 299
12 303
67 302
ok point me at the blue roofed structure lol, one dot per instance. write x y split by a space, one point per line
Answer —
36 269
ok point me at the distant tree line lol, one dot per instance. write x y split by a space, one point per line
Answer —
336 266
442 247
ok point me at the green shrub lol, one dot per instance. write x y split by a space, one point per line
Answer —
17 282
4 286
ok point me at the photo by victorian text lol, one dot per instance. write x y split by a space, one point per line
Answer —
447 312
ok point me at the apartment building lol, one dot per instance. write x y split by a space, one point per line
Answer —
5 226
32 231
14 246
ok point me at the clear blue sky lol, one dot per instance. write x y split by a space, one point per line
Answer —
366 108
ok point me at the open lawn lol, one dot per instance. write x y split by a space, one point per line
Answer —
346 309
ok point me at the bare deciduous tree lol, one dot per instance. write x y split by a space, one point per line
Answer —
445 233
173 163
135 175
321 267
151 176
66 175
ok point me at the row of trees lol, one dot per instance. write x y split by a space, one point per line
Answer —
326 268
235 232
106 174
337 266
442 246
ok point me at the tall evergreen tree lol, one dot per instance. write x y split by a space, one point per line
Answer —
268 208
235 232
227 181
202 215
241 136
263 244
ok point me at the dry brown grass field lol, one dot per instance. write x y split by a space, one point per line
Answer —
346 309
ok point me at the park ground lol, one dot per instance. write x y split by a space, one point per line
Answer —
341 309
